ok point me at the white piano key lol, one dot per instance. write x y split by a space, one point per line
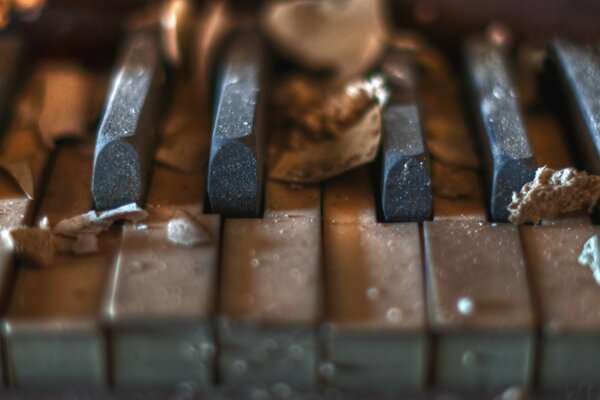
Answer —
53 335
375 337
480 309
567 296
270 291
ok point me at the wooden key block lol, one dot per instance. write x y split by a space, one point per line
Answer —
270 294
567 295
374 336
376 315
52 330
479 305
159 305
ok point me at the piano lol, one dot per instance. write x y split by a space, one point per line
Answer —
398 279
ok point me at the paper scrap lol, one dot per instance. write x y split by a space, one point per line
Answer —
185 230
344 36
33 244
315 161
79 234
552 193
590 256
325 132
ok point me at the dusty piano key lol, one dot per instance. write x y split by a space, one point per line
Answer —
160 301
52 330
11 74
235 176
127 127
406 175
270 294
509 158
479 305
163 288
567 295
374 338
578 68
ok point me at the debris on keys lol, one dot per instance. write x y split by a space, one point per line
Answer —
327 131
79 234
185 230
552 193
347 37
590 256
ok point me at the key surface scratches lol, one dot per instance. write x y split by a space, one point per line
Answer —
579 70
406 174
126 134
509 158
11 68
236 156
479 305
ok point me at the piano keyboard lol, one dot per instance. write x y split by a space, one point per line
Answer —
398 277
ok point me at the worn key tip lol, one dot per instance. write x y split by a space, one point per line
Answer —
117 178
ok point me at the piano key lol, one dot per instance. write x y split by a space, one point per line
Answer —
235 175
270 294
52 332
161 296
566 294
578 69
480 306
509 158
406 175
375 337
11 74
126 133
160 301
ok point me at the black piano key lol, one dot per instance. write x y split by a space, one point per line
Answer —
578 68
11 74
127 128
509 158
235 175
406 174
